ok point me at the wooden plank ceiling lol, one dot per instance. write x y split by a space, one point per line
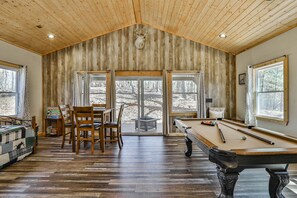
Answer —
246 22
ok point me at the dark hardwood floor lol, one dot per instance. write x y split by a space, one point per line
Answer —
145 167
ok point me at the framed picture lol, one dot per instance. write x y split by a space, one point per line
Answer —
241 79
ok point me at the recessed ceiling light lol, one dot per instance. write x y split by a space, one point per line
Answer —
50 36
222 35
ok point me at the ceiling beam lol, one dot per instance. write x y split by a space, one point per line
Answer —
137 11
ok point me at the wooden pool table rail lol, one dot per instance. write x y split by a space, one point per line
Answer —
275 134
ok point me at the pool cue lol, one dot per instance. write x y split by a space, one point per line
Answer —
250 134
221 133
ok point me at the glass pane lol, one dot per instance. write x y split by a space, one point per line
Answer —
270 79
152 99
184 86
8 80
7 104
271 104
184 102
184 93
151 106
98 98
127 92
97 84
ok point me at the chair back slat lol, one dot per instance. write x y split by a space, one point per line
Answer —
99 105
97 114
83 115
85 122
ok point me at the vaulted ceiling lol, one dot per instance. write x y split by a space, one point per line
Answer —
246 23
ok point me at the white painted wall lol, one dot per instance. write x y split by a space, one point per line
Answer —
284 44
13 54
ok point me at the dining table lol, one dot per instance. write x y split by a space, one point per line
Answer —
102 113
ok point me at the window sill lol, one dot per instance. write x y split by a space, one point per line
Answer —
273 119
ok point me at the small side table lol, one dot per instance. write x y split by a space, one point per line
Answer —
146 123
53 126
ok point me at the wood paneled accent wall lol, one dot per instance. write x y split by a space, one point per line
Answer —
116 51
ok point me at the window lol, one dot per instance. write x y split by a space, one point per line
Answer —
271 90
97 87
92 88
184 93
8 91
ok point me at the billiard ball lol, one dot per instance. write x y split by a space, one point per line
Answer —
243 138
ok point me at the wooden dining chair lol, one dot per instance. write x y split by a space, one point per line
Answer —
116 125
66 122
84 117
97 117
106 116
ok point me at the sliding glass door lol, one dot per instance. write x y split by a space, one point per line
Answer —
143 99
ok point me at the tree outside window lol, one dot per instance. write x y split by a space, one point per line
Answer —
8 91
92 88
184 93
97 88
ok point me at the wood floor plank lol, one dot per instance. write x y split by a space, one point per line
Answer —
145 167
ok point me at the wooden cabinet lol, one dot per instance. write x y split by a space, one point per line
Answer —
53 126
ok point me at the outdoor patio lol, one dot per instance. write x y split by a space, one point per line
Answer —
129 128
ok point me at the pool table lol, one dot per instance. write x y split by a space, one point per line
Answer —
233 147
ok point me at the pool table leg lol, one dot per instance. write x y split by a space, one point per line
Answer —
278 180
188 152
227 181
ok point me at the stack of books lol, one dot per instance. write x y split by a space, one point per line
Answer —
53 112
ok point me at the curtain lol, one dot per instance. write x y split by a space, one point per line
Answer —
77 89
249 113
23 99
201 107
165 104
86 89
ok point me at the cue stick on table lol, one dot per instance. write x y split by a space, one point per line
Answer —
221 133
250 134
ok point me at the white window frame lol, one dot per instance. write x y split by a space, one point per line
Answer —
103 75
84 89
267 64
16 93
173 92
